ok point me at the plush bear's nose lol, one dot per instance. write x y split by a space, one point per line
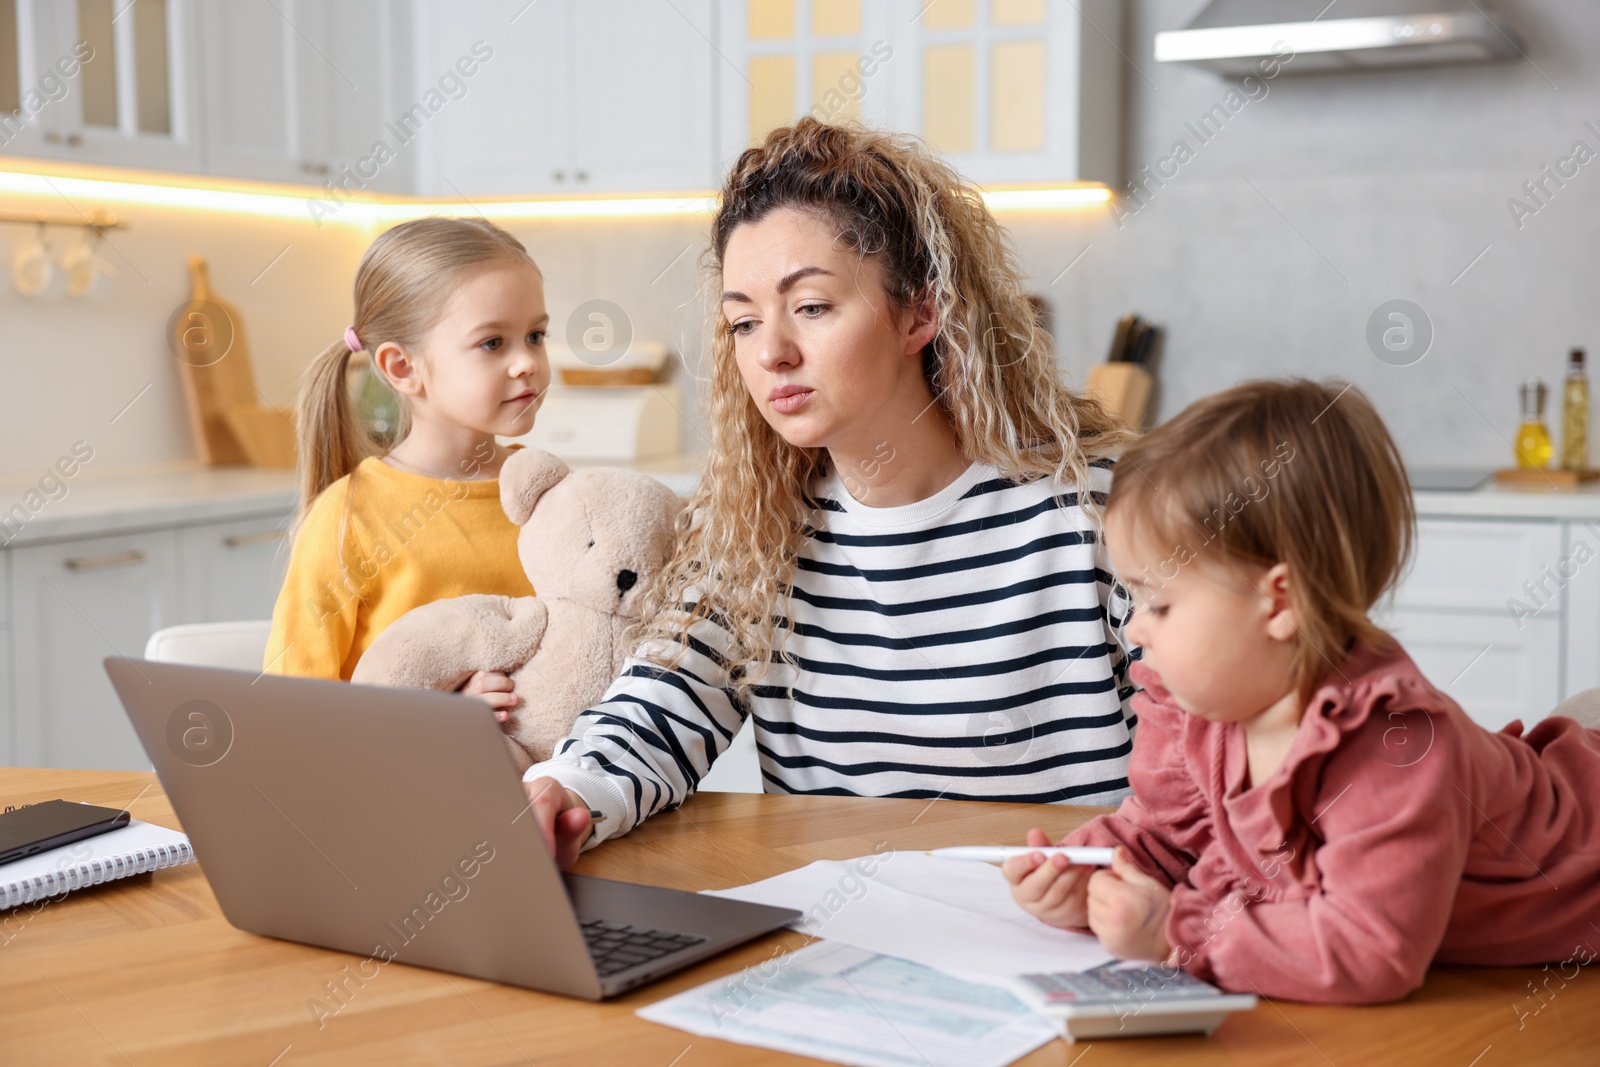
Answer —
625 580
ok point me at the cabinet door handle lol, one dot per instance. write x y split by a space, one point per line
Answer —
559 175
244 540
74 139
581 175
96 563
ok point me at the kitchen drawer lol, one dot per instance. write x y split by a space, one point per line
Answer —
1477 565
232 571
1495 669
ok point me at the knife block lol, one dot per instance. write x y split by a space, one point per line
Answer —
1124 388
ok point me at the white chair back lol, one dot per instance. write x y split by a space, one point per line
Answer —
236 645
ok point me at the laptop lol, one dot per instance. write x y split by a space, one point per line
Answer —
392 824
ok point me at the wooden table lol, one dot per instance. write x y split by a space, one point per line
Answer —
146 971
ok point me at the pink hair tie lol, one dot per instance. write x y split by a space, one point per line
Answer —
351 341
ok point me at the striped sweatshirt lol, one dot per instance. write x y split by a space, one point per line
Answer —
963 647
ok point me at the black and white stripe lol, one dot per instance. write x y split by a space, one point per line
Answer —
962 647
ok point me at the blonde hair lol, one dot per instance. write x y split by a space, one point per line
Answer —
990 367
1296 472
401 288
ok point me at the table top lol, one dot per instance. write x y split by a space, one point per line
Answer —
146 970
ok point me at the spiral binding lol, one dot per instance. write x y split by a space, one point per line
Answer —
94 872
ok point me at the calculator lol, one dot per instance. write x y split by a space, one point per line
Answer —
1120 999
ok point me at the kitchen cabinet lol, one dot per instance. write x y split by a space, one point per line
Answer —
77 602
1006 90
1459 612
609 96
289 99
231 571
119 82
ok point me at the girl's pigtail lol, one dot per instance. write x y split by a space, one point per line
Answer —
332 438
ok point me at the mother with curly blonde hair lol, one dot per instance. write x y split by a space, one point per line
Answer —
892 562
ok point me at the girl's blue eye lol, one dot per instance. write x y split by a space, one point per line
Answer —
808 309
536 337
492 344
738 328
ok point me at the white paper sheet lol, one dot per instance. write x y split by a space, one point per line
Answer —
834 1002
951 915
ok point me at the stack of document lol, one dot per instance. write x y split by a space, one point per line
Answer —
918 956
834 1002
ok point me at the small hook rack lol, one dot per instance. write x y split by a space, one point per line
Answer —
99 222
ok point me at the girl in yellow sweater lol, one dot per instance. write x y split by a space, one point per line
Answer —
451 312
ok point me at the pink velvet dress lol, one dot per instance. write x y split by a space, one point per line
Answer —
1396 833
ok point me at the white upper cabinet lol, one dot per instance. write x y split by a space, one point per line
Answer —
506 132
642 114
102 82
1006 90
601 96
301 91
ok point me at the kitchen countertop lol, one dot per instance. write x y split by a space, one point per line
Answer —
107 500
124 500
1504 502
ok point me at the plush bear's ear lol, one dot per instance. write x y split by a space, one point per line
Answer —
524 478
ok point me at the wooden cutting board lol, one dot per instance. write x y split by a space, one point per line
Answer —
207 337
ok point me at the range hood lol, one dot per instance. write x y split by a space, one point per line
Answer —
1236 36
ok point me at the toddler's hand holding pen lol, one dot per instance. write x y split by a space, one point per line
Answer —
1049 888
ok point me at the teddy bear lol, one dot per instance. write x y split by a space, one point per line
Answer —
589 541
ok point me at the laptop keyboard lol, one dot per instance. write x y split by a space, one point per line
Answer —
617 946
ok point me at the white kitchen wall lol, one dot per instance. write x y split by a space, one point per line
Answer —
69 367
1272 246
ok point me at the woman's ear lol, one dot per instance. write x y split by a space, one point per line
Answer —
1274 589
398 369
923 325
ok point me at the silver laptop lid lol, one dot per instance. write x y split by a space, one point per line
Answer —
375 821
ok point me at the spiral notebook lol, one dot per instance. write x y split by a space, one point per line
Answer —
135 849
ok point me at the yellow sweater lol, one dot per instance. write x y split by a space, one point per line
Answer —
407 540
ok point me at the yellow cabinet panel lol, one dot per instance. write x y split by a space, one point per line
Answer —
1016 12
771 20
835 18
836 86
1017 96
949 97
950 14
772 102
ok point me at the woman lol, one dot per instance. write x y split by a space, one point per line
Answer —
887 561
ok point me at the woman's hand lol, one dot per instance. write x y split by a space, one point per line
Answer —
494 689
1049 888
1128 911
562 817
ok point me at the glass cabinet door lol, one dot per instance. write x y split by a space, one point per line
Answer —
132 100
32 80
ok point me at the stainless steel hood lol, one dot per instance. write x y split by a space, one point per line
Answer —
1236 37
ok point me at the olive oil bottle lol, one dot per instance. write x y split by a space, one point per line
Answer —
1533 438
1575 415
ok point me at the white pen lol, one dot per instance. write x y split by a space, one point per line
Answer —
1087 857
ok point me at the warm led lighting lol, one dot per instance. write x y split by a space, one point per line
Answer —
78 190
586 208
291 203
1045 199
